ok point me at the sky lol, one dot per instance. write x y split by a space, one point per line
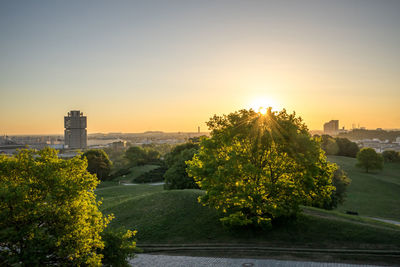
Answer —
134 66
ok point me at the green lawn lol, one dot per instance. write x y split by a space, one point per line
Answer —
372 194
136 172
176 217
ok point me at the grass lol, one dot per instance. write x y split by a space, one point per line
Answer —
176 217
136 172
371 194
114 194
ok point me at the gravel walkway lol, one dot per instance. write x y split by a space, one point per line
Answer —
143 260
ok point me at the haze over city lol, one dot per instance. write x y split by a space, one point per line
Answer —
170 65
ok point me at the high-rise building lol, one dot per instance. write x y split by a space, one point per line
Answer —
331 127
75 134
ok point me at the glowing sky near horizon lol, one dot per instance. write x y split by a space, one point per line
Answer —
133 66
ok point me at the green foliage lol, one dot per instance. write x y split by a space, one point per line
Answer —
256 167
368 159
329 145
48 211
98 163
155 175
176 176
119 245
162 149
117 156
171 157
346 147
138 156
391 156
340 181
339 146
359 134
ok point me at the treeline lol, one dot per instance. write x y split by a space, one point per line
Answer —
359 134
338 146
109 163
391 156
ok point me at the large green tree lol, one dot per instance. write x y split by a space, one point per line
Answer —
369 160
48 211
98 163
255 167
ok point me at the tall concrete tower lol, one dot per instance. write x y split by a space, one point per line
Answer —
75 134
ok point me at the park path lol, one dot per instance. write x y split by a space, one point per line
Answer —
144 260
385 220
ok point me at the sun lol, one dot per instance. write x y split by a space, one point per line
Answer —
261 105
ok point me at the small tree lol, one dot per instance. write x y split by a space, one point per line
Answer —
120 245
98 163
368 159
257 167
48 211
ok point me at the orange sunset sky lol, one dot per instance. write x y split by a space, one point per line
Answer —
134 66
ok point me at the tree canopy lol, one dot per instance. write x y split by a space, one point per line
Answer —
139 156
391 156
339 146
255 167
369 160
176 176
48 211
98 163
346 147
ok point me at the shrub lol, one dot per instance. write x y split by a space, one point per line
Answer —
119 246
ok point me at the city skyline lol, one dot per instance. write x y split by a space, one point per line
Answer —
170 66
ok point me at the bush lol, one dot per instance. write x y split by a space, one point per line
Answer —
119 246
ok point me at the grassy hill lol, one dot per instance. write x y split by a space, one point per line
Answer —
372 194
176 217
137 171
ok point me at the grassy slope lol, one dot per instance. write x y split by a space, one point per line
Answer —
176 217
372 194
136 172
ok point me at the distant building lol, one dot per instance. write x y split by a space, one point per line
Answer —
332 127
75 134
118 145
